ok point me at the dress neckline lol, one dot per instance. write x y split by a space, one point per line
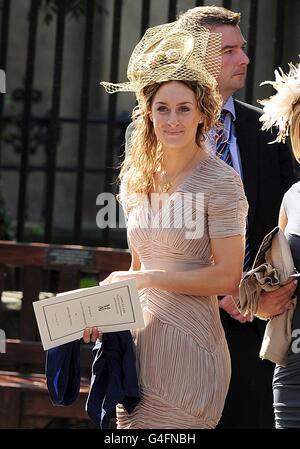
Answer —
179 187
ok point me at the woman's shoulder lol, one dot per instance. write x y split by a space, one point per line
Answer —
291 196
226 182
291 203
296 186
212 174
220 172
293 190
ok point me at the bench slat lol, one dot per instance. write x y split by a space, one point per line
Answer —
10 410
37 382
29 352
35 255
40 405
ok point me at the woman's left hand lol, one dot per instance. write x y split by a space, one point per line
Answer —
91 334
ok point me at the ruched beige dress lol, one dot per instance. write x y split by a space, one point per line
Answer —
182 356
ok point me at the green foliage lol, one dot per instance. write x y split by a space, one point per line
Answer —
34 232
88 281
74 8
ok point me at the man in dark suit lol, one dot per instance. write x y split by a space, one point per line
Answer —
267 172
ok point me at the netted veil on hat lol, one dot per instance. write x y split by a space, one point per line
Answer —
168 52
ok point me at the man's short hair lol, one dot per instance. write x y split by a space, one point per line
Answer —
208 16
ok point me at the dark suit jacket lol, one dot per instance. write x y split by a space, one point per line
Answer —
267 172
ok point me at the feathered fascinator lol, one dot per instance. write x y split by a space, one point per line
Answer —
278 109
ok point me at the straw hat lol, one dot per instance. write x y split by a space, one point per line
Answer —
170 53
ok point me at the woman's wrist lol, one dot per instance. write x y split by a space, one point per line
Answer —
152 278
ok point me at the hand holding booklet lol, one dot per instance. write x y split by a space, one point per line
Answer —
111 308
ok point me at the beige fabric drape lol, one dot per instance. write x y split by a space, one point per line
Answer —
275 271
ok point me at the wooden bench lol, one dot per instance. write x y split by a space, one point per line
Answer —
30 267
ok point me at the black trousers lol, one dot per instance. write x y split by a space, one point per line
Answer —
249 402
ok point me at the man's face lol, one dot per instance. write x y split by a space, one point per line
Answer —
233 72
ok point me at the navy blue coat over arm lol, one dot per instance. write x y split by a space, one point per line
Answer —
114 378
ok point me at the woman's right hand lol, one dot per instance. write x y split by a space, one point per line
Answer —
91 334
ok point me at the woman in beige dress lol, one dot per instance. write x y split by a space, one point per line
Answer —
186 223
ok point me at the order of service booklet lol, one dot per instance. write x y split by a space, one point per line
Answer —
113 307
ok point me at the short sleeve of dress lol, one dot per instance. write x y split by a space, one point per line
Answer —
227 206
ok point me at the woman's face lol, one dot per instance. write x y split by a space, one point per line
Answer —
175 115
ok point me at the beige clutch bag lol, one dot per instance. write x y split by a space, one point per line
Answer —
272 268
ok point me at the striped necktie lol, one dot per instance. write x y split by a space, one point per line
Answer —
223 141
223 152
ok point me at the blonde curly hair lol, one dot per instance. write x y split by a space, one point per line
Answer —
295 131
145 154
